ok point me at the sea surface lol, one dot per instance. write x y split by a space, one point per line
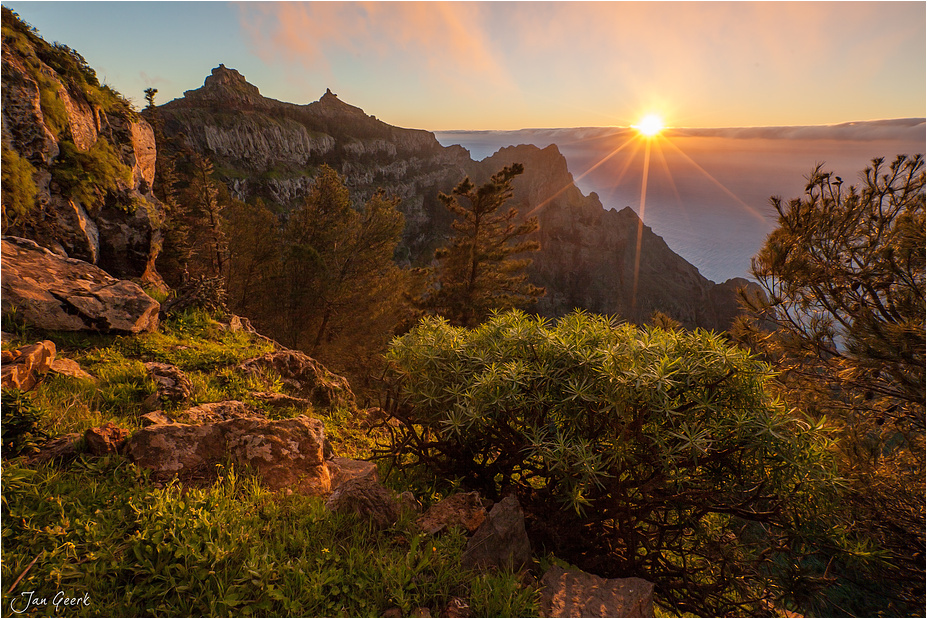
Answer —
708 190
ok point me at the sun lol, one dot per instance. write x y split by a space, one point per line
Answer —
649 125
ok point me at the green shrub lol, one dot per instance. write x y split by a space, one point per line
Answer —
638 452
18 187
86 176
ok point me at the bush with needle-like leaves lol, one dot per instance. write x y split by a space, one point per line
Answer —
639 452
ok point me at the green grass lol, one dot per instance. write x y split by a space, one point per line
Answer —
102 529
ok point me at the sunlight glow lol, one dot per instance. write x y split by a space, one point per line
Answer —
650 125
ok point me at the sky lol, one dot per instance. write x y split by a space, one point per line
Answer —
512 65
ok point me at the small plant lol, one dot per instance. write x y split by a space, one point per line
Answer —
20 428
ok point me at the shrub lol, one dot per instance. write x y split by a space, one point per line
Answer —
650 453
18 187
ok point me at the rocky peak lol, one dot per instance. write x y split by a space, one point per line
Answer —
227 86
223 76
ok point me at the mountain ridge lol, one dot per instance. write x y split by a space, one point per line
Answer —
271 149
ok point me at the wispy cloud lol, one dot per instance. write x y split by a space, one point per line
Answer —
432 39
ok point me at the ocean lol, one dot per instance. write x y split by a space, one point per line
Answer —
708 190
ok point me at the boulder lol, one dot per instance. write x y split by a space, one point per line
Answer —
501 541
154 418
366 498
464 509
286 454
345 469
69 367
575 593
172 384
106 439
55 293
24 367
306 376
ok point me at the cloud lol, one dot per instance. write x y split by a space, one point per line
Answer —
438 39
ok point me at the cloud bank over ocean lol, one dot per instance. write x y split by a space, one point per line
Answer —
708 190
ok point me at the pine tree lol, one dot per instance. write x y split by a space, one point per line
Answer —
477 272
341 290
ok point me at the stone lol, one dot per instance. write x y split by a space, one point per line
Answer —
55 293
219 411
464 509
575 593
457 608
366 498
172 384
154 418
24 367
69 367
286 454
106 439
345 469
306 376
501 541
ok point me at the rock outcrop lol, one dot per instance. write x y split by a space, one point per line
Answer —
577 594
501 540
590 258
90 156
307 377
24 367
272 149
286 454
55 293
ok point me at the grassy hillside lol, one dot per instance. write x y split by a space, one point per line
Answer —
100 531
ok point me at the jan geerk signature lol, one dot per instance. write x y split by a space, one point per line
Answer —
29 600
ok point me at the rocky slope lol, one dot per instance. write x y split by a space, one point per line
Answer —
85 161
270 149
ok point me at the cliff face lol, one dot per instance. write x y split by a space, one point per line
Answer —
87 161
270 149
588 255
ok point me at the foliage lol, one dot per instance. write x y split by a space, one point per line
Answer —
101 529
844 274
650 453
476 273
326 283
19 188
20 428
86 176
843 321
